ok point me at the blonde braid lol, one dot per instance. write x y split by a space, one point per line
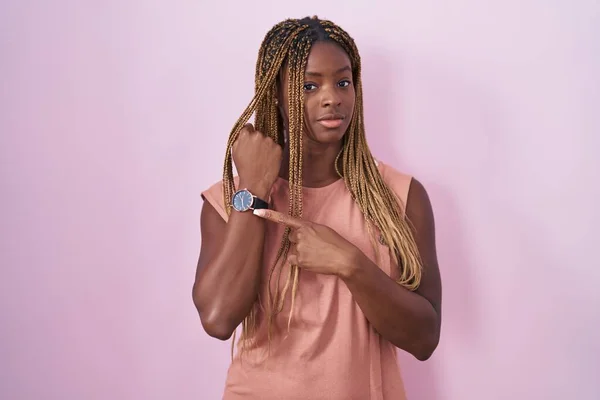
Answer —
269 62
290 41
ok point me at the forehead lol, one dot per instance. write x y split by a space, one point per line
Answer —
327 57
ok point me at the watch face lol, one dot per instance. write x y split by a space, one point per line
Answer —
242 200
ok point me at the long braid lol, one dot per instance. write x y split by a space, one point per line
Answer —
289 43
271 56
377 201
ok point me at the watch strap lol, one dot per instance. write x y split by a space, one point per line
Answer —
259 204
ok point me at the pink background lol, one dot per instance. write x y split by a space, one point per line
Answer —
114 115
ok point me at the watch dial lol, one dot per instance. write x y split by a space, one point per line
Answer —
242 200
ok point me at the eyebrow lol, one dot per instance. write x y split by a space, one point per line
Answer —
343 69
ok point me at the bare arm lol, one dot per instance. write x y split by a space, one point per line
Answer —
229 266
228 271
409 320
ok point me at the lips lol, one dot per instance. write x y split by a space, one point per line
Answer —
331 121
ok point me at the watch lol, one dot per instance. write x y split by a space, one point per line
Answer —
243 201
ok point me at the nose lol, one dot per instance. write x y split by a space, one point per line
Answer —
330 97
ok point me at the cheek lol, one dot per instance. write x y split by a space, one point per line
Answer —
351 99
311 109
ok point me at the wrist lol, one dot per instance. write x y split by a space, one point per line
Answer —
351 265
260 189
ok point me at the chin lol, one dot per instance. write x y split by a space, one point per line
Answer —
328 136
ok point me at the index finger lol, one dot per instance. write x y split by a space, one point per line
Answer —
279 218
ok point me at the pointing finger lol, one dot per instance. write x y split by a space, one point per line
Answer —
279 218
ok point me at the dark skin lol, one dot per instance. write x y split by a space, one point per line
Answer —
328 91
228 271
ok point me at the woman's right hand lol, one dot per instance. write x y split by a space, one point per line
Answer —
257 159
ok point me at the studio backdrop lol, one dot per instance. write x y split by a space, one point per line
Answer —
114 116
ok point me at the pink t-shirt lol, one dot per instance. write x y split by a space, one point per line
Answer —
331 352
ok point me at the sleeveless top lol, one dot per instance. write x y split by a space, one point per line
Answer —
330 351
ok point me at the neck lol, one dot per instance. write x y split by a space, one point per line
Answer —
318 164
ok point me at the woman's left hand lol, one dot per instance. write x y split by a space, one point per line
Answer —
315 247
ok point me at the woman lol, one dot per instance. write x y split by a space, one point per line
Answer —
315 254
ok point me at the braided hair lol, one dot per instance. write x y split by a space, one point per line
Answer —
287 45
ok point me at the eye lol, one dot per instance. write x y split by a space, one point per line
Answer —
345 83
309 87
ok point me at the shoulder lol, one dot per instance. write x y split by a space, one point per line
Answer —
418 204
399 182
215 197
415 199
215 190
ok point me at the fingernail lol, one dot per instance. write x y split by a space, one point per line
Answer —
259 212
